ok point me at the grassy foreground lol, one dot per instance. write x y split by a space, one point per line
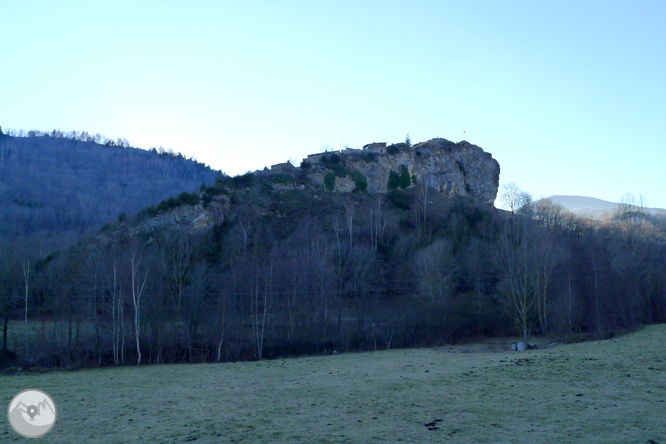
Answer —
599 392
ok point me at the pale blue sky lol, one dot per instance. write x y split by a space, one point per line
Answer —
569 96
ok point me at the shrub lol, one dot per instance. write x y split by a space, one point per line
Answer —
405 180
397 147
282 178
399 199
243 181
361 183
214 190
330 159
401 180
393 180
166 205
368 157
219 230
146 212
338 169
185 198
329 181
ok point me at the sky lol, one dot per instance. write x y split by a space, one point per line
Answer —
568 96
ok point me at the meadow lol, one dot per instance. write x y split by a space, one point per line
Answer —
611 391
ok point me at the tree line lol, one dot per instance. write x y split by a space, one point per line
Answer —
292 272
84 136
60 188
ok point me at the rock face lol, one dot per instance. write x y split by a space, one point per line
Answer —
187 217
455 169
459 169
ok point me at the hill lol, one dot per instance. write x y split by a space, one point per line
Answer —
292 261
61 188
606 392
328 184
592 207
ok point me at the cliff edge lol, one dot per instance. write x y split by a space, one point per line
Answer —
461 169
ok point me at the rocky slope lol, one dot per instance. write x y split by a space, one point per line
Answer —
452 169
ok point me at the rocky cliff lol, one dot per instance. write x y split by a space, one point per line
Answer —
452 168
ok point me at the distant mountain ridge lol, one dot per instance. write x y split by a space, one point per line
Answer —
591 206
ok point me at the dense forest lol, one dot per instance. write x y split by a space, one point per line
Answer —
286 271
56 186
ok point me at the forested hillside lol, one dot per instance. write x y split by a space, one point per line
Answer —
262 266
57 186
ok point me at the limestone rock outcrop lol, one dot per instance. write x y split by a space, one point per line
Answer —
461 169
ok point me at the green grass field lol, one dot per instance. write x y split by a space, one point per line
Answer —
597 392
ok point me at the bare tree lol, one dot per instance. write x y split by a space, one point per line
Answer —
26 280
596 270
176 254
477 270
360 275
377 224
553 217
548 255
7 291
517 257
631 257
421 216
292 300
631 217
117 315
194 303
137 285
317 253
436 269
93 264
222 307
349 218
513 197
260 302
